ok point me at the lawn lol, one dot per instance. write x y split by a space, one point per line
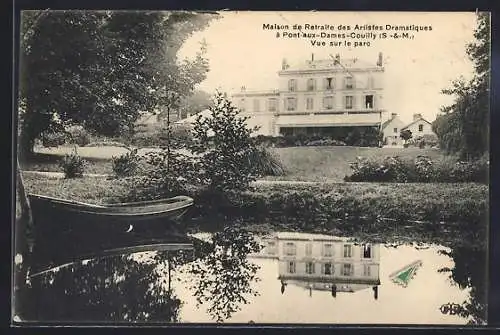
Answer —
302 163
332 163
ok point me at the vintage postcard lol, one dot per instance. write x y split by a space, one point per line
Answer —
251 168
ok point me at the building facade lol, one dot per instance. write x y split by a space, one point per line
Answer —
419 127
317 96
324 262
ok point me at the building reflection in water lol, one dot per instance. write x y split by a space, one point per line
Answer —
324 263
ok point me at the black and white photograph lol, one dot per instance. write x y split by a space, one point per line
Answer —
251 167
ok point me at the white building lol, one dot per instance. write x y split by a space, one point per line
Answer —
419 127
318 96
323 262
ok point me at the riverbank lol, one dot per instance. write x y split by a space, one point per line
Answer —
432 212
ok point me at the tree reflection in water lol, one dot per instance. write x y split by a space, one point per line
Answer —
469 272
136 288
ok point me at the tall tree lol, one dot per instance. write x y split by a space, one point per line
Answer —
464 126
100 69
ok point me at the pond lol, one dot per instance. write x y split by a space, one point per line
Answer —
282 277
368 288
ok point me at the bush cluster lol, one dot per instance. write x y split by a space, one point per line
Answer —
126 165
368 140
422 169
73 165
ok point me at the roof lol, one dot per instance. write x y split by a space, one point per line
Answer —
415 121
323 64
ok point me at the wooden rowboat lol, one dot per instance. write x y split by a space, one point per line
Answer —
67 231
170 209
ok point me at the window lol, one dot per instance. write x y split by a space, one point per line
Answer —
291 104
271 247
367 251
311 84
242 104
310 268
328 102
420 127
349 83
291 267
309 103
292 85
328 83
395 130
290 249
349 102
327 250
308 249
366 270
347 270
369 101
256 105
347 251
327 268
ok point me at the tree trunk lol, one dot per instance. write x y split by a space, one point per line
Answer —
23 226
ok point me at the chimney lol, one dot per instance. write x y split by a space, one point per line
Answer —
417 116
393 115
284 64
312 57
380 59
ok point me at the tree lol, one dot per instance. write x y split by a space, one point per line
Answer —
406 134
100 69
224 142
195 103
463 127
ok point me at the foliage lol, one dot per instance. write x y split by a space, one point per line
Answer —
421 169
126 165
406 134
78 136
266 162
53 139
73 165
463 128
195 103
115 289
223 277
179 136
99 69
296 141
165 174
223 141
468 272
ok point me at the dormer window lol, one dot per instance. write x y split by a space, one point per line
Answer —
292 85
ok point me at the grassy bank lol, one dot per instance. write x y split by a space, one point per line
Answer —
379 211
332 163
301 163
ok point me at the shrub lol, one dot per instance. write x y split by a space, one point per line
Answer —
50 140
126 165
421 169
266 162
73 165
79 136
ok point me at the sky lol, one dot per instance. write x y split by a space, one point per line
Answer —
242 53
